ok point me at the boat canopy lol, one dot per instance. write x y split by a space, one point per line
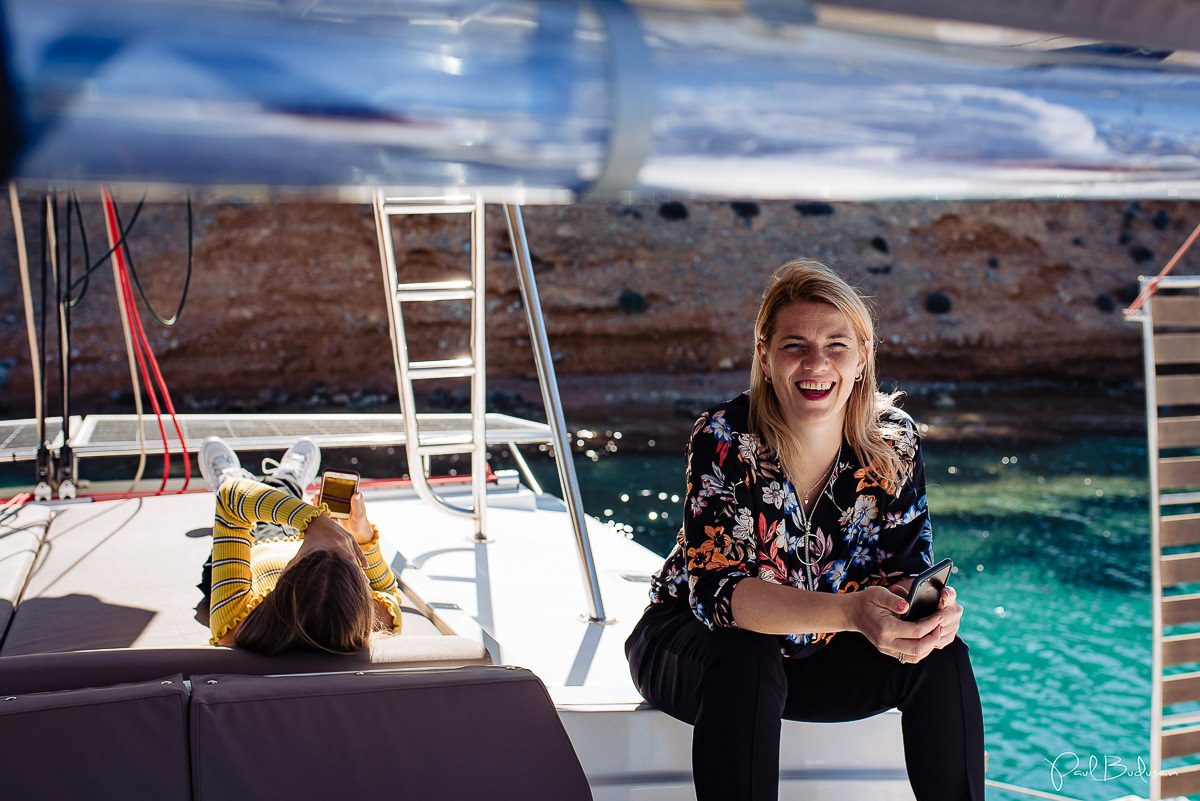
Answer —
530 101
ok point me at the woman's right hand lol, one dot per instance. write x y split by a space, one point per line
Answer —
877 617
357 523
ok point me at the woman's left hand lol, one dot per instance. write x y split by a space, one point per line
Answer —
951 614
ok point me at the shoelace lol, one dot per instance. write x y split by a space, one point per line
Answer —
272 467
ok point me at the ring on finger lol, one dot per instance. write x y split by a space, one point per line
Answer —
901 658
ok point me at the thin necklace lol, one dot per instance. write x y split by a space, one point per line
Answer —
809 577
825 475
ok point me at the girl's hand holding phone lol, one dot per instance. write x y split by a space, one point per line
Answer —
357 523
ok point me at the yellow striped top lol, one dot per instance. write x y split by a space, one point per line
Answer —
244 572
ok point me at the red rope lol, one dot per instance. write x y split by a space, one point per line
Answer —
144 354
16 501
1152 287
158 377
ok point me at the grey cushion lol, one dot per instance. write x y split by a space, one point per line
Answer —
434 735
121 742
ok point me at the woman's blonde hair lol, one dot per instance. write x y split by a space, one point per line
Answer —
805 280
322 602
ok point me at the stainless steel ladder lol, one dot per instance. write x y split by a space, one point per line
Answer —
1171 336
473 366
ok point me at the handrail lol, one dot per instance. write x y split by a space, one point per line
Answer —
553 403
1156 580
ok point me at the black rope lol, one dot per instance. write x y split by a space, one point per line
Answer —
81 283
44 324
187 280
86 280
100 262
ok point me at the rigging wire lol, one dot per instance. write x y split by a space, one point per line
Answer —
42 331
65 476
187 279
113 245
73 200
122 242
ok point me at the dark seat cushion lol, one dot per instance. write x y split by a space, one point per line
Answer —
104 743
429 734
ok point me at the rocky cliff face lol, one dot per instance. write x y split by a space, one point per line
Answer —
285 303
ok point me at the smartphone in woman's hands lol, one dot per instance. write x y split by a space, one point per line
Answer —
926 591
338 488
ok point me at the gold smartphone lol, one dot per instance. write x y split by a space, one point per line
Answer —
337 490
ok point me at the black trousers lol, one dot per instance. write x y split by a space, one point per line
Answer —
734 686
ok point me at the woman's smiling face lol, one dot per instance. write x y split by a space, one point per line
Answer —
811 361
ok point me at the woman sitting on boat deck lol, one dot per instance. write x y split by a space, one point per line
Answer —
284 575
805 520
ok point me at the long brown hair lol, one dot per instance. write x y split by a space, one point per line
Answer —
805 280
322 602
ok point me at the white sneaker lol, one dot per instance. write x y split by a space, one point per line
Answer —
300 463
219 463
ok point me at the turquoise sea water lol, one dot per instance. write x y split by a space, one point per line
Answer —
1051 546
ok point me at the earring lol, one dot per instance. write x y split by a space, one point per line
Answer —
858 377
767 379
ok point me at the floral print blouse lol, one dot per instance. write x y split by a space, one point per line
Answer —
743 518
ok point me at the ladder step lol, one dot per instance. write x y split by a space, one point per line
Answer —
1179 472
1180 649
1177 390
1179 432
1181 568
438 290
1179 609
1182 311
396 208
1177 348
1180 781
446 368
1180 688
1181 742
446 448
1179 530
